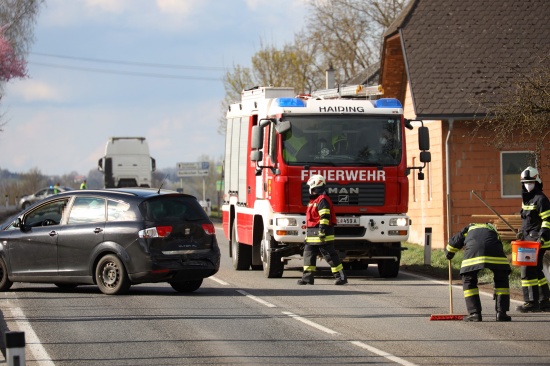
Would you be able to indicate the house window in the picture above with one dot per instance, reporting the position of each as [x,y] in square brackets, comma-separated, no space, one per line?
[512,163]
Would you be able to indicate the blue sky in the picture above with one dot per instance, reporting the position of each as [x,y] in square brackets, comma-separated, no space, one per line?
[60,117]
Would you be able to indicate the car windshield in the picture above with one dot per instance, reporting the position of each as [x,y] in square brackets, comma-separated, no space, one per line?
[172,208]
[343,140]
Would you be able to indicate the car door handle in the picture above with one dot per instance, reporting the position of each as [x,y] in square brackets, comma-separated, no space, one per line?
[53,233]
[98,230]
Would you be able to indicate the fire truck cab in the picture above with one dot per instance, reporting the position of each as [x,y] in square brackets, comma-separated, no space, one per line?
[275,141]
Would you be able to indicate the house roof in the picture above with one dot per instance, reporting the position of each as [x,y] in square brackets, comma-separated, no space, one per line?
[456,51]
[369,76]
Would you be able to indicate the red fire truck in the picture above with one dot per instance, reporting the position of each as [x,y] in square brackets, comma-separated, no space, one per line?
[276,140]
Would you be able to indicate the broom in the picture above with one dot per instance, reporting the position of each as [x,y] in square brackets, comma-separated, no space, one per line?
[450,316]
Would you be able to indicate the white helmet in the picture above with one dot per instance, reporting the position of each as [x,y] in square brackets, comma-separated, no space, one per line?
[315,181]
[530,174]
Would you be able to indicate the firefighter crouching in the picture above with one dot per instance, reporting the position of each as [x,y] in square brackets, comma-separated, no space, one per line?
[320,221]
[482,249]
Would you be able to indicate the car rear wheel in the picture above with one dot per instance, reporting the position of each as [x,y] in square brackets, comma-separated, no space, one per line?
[5,282]
[111,276]
[186,286]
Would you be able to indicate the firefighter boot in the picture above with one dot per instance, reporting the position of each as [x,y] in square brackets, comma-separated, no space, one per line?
[473,317]
[502,305]
[544,305]
[341,278]
[503,317]
[528,307]
[307,279]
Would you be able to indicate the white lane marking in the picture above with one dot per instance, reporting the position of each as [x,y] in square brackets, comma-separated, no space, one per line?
[257,299]
[369,348]
[32,342]
[215,279]
[310,323]
[383,354]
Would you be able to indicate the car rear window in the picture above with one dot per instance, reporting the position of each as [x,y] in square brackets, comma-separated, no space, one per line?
[172,208]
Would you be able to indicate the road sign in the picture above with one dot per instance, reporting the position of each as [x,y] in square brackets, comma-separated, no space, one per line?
[193,169]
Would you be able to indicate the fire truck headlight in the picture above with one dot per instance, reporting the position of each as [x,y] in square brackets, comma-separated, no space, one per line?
[285,222]
[402,221]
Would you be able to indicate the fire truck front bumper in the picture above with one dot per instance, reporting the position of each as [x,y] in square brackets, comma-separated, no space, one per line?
[373,228]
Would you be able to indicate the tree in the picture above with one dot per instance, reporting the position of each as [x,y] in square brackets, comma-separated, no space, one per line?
[521,117]
[17,18]
[346,34]
[10,65]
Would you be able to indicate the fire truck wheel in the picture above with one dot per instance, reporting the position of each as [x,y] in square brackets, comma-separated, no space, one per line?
[240,253]
[388,268]
[273,267]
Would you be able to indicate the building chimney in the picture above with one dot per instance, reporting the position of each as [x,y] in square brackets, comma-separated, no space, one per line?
[330,77]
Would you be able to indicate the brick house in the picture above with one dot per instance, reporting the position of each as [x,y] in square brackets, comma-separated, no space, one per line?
[437,57]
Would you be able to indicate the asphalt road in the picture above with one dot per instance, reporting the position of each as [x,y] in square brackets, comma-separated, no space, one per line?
[243,318]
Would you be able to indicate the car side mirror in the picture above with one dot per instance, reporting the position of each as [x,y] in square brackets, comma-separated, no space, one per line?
[21,225]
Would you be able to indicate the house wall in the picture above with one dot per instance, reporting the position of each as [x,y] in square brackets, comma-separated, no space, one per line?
[474,166]
[426,197]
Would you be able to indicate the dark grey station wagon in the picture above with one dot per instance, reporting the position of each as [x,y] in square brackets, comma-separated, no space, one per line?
[112,238]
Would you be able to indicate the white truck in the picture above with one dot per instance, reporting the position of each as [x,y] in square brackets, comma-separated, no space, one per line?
[127,163]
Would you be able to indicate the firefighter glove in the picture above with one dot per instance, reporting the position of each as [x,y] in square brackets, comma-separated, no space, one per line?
[519,235]
[322,234]
[449,255]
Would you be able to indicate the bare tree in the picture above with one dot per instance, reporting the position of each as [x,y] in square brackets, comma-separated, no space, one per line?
[349,32]
[344,33]
[522,116]
[17,18]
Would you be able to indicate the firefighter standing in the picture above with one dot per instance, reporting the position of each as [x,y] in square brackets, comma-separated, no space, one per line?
[320,221]
[482,249]
[535,226]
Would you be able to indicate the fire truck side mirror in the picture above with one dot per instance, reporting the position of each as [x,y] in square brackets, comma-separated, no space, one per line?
[257,137]
[256,155]
[282,127]
[425,157]
[423,138]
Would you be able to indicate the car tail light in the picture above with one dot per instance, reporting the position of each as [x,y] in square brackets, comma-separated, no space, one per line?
[155,232]
[209,229]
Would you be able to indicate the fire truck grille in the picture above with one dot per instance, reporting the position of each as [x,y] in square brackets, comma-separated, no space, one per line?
[360,194]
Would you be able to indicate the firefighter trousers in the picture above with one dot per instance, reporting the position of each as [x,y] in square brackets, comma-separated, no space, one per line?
[533,281]
[501,291]
[329,254]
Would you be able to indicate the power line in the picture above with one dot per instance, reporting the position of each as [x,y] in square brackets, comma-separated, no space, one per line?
[165,76]
[143,64]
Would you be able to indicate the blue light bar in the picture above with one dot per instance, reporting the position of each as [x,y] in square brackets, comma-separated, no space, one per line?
[290,102]
[387,103]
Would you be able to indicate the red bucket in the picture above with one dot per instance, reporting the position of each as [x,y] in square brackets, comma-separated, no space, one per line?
[525,253]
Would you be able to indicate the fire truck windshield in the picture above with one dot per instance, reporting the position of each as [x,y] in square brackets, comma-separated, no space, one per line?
[343,140]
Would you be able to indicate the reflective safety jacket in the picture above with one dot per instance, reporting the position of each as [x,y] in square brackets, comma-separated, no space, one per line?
[482,248]
[320,217]
[292,146]
[535,216]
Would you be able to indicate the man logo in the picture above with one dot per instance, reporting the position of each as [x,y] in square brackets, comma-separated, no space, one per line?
[343,200]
